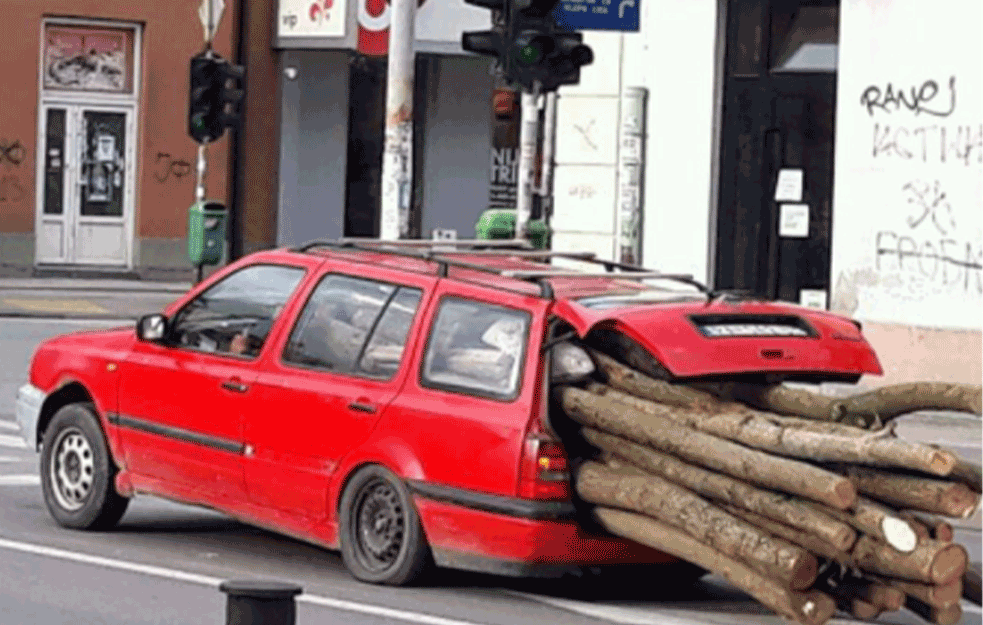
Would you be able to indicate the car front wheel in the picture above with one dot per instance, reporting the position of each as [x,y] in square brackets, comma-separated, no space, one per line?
[382,540]
[77,472]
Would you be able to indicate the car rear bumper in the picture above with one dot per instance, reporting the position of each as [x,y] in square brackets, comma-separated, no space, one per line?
[28,410]
[506,544]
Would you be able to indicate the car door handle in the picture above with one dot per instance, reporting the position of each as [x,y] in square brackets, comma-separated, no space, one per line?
[235,386]
[362,407]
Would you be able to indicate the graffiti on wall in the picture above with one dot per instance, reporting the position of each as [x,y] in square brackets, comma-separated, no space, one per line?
[931,250]
[935,246]
[167,167]
[12,154]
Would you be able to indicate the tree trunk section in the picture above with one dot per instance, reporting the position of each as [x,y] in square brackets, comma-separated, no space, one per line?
[750,465]
[878,521]
[799,514]
[654,496]
[925,494]
[812,608]
[931,562]
[780,399]
[807,541]
[772,433]
[890,401]
[636,383]
[937,596]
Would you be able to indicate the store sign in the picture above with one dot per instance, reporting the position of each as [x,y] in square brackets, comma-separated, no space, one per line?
[312,18]
[438,27]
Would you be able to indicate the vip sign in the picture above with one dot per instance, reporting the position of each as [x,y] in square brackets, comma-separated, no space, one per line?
[312,18]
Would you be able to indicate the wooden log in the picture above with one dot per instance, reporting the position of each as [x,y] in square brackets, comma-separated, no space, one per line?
[636,383]
[937,529]
[931,562]
[750,465]
[614,486]
[809,608]
[876,520]
[922,530]
[885,596]
[858,608]
[969,473]
[807,541]
[926,494]
[771,433]
[897,399]
[796,513]
[935,595]
[781,399]
[949,615]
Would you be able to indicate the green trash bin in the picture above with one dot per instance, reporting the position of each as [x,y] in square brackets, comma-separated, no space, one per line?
[499,223]
[206,233]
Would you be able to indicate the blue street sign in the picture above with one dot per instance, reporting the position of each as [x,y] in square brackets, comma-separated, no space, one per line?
[598,14]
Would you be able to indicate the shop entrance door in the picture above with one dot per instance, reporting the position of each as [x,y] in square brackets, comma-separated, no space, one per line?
[85,184]
[773,239]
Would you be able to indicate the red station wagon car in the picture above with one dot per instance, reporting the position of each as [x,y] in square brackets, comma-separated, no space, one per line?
[391,400]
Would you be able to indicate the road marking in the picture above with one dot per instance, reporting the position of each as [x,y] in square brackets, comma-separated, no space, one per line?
[12,441]
[54,305]
[20,480]
[611,613]
[9,425]
[206,580]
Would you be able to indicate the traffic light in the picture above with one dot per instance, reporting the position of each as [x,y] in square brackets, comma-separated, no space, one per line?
[215,96]
[538,51]
[568,56]
[487,42]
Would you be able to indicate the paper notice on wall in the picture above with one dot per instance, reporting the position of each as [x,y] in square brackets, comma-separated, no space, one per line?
[794,221]
[789,187]
[813,298]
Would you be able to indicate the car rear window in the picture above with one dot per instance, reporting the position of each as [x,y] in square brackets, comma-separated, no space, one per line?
[476,348]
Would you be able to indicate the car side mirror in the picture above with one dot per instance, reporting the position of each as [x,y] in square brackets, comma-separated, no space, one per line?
[152,328]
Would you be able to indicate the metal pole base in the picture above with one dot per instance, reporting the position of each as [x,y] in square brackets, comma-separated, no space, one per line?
[260,602]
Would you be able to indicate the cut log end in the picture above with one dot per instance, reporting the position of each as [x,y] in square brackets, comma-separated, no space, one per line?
[846,494]
[949,564]
[949,615]
[899,534]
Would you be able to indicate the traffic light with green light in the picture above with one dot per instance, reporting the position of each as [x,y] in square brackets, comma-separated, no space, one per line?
[540,52]
[215,96]
[487,42]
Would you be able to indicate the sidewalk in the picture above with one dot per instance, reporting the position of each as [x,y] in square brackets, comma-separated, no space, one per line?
[89,298]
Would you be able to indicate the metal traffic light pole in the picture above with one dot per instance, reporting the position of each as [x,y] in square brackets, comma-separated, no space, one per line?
[528,142]
[397,162]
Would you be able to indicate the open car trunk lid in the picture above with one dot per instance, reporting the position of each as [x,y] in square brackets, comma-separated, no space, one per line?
[723,338]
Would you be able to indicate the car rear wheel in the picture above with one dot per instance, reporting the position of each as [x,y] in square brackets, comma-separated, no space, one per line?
[77,472]
[382,540]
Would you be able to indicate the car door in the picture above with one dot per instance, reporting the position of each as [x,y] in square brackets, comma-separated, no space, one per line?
[338,369]
[181,403]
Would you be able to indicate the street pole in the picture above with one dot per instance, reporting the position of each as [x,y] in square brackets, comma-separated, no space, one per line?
[397,162]
[528,132]
[549,149]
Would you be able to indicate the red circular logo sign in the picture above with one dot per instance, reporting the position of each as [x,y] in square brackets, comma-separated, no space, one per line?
[373,26]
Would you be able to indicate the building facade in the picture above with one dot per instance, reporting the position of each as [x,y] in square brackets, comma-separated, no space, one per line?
[97,170]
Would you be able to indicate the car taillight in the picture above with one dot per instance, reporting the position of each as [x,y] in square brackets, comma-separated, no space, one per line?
[545,472]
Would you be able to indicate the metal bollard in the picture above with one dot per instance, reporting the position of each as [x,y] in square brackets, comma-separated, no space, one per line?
[257,602]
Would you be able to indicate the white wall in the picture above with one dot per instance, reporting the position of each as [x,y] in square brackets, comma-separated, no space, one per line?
[674,57]
[908,185]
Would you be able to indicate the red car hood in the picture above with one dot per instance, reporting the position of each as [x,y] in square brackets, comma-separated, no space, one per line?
[695,339]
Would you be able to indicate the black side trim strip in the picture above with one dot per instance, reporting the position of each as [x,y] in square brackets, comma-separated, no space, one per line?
[496,504]
[177,433]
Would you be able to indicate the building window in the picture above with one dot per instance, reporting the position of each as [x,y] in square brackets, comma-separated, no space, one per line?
[83,58]
[805,40]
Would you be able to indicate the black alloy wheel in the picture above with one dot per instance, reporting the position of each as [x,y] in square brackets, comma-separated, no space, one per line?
[382,540]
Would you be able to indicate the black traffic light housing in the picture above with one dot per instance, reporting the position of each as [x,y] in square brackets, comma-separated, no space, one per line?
[528,44]
[215,96]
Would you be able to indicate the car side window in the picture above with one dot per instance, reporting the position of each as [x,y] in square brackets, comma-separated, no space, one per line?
[234,316]
[353,325]
[476,348]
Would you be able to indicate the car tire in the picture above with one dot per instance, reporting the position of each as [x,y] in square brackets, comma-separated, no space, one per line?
[77,472]
[382,540]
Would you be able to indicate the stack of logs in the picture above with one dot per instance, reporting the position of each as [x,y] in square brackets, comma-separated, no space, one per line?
[807,516]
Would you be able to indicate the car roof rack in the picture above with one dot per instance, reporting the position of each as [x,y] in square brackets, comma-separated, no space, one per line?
[437,251]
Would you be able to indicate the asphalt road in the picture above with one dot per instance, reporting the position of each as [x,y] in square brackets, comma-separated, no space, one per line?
[164,562]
